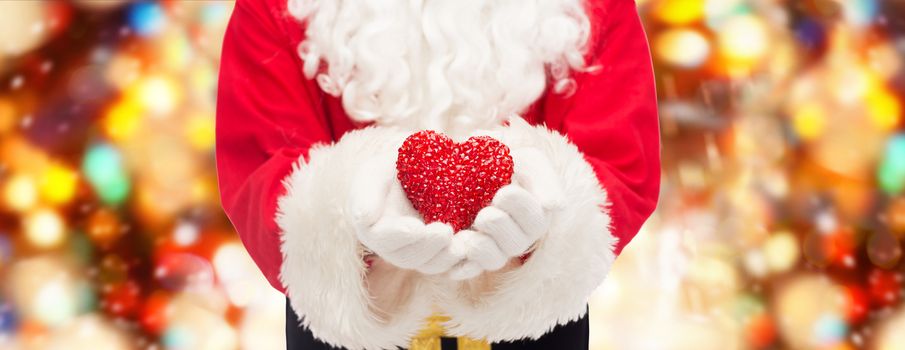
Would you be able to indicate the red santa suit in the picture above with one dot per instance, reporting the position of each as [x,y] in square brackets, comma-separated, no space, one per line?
[285,149]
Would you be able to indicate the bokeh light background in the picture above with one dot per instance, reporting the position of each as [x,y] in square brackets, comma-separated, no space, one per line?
[780,225]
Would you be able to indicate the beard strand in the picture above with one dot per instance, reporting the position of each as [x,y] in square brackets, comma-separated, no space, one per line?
[446,65]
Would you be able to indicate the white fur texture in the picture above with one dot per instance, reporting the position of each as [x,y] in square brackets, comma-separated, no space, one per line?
[322,270]
[329,287]
[568,263]
[448,65]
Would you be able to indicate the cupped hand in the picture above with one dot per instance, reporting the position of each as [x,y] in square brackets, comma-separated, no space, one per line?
[386,223]
[516,220]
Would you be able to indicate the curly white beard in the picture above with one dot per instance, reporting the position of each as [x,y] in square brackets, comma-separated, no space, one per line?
[448,65]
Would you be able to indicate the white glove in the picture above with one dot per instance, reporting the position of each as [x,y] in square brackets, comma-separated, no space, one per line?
[516,219]
[388,225]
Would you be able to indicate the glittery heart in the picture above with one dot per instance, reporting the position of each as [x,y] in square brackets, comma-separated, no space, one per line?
[448,181]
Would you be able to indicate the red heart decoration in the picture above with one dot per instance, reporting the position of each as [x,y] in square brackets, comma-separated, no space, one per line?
[450,182]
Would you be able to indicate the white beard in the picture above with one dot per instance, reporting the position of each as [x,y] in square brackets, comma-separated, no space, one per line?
[447,65]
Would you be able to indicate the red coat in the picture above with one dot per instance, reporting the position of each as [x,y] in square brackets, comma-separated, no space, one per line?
[269,115]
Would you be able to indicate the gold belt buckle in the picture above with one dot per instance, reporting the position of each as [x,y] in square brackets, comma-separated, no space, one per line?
[429,337]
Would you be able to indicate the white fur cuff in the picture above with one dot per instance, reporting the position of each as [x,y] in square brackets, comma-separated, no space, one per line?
[325,278]
[568,263]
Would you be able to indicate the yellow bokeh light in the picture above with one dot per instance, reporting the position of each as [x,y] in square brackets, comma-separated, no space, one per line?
[123,119]
[44,228]
[809,121]
[781,251]
[743,42]
[202,190]
[682,47]
[883,108]
[200,131]
[159,95]
[679,12]
[20,193]
[801,303]
[58,184]
[890,335]
[176,50]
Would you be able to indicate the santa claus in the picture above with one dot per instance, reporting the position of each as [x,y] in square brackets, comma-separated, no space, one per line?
[315,98]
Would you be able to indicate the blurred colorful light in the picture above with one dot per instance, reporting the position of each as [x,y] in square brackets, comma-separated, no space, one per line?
[182,271]
[685,48]
[895,215]
[123,120]
[44,228]
[20,193]
[22,26]
[885,287]
[238,274]
[884,249]
[808,308]
[679,12]
[761,331]
[103,226]
[100,5]
[8,318]
[718,11]
[176,51]
[830,330]
[883,108]
[103,168]
[147,18]
[90,332]
[47,291]
[58,184]
[743,40]
[809,121]
[159,95]
[781,251]
[154,312]
[857,304]
[6,249]
[860,12]
[891,174]
[55,303]
[7,115]
[185,234]
[195,324]
[122,299]
[200,131]
[890,335]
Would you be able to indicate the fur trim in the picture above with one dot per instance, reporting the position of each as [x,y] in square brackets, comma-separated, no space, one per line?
[567,265]
[326,280]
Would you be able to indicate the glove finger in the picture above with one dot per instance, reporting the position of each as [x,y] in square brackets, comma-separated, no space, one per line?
[506,234]
[391,233]
[465,270]
[534,173]
[431,239]
[368,191]
[524,209]
[481,249]
[442,262]
[397,203]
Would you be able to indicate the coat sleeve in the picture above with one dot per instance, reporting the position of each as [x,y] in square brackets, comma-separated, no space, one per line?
[268,116]
[612,119]
[602,141]
[284,186]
